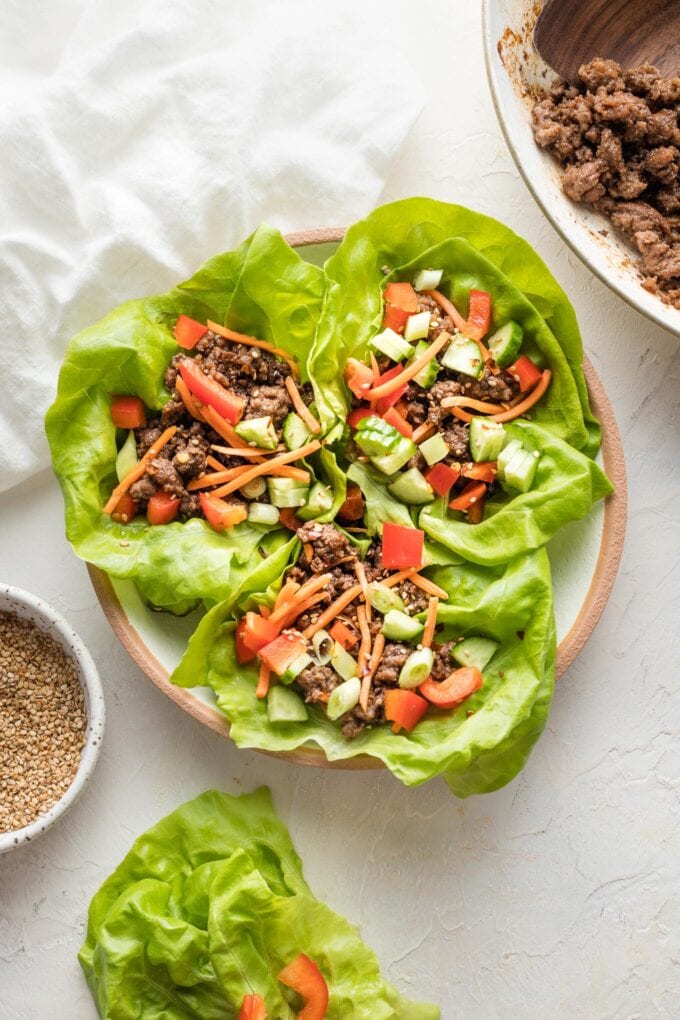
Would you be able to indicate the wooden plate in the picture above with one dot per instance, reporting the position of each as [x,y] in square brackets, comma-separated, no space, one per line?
[584,557]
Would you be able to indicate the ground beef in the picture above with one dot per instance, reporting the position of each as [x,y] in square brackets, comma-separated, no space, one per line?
[393,658]
[415,599]
[442,661]
[618,138]
[457,438]
[268,402]
[329,545]
[317,682]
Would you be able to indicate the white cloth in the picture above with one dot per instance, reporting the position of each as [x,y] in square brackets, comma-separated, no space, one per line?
[139,138]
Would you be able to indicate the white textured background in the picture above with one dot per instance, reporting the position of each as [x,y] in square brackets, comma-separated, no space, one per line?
[557,897]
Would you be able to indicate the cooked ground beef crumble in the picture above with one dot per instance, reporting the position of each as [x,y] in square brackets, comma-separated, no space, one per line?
[332,552]
[618,138]
[255,375]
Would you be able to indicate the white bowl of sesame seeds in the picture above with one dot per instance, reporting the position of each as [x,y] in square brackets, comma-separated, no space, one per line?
[51,717]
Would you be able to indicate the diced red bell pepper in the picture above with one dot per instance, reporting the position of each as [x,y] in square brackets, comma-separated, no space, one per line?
[257,631]
[128,412]
[205,389]
[442,478]
[401,546]
[384,403]
[188,332]
[289,519]
[358,376]
[458,686]
[253,1007]
[353,507]
[526,373]
[404,709]
[343,635]
[479,315]
[475,514]
[305,978]
[219,514]
[358,414]
[395,318]
[392,417]
[162,508]
[279,653]
[401,301]
[483,471]
[472,492]
[243,653]
[125,509]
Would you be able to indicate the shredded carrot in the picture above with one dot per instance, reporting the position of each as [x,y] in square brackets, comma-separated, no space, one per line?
[296,609]
[460,323]
[298,403]
[188,399]
[139,469]
[411,370]
[403,575]
[268,467]
[286,593]
[301,594]
[361,578]
[223,428]
[265,611]
[518,409]
[422,432]
[213,462]
[263,681]
[242,451]
[374,366]
[376,656]
[335,607]
[365,646]
[251,341]
[309,551]
[476,405]
[430,622]
[429,587]
[343,634]
[216,478]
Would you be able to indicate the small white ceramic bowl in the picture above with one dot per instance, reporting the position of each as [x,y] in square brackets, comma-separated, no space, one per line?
[28,607]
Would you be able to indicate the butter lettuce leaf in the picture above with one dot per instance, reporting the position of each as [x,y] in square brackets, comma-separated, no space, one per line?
[208,906]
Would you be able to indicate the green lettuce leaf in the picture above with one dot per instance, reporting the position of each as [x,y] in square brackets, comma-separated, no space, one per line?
[262,287]
[474,251]
[475,753]
[208,906]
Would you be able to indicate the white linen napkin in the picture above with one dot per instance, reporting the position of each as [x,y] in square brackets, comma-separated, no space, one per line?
[139,138]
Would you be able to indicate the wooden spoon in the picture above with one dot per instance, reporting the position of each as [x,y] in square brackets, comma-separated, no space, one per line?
[632,32]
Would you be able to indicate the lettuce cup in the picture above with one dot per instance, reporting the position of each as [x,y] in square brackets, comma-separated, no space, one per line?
[182,443]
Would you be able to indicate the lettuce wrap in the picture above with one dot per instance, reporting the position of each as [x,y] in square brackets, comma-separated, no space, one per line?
[477,747]
[207,907]
[263,287]
[475,251]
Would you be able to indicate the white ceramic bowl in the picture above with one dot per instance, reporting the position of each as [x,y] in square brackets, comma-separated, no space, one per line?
[28,607]
[513,67]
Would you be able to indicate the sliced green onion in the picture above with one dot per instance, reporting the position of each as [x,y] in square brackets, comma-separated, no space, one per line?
[383,598]
[343,663]
[428,279]
[296,667]
[127,457]
[263,513]
[254,489]
[344,698]
[416,669]
[322,646]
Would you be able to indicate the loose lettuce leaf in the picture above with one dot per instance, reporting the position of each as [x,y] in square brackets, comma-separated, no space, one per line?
[264,288]
[207,907]
[475,753]
[474,251]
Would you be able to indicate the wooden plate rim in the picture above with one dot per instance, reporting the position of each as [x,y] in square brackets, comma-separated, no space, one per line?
[613,532]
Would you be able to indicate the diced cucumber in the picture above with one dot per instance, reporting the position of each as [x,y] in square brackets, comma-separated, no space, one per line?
[322,647]
[463,355]
[259,431]
[428,375]
[344,698]
[284,705]
[412,487]
[296,667]
[254,489]
[343,663]
[506,455]
[417,326]
[398,626]
[127,457]
[286,492]
[521,470]
[320,500]
[416,669]
[505,343]
[384,445]
[295,433]
[383,598]
[427,279]
[263,513]
[434,449]
[487,439]
[391,344]
[474,651]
